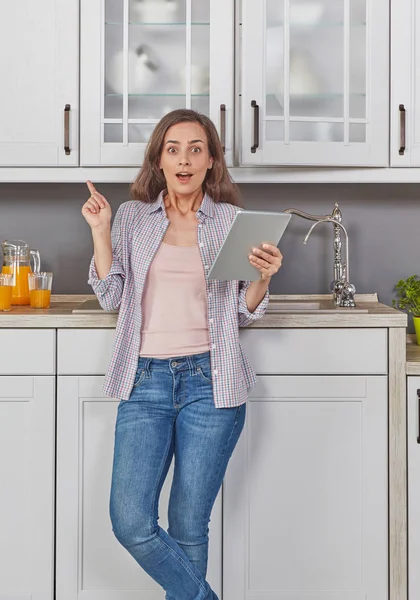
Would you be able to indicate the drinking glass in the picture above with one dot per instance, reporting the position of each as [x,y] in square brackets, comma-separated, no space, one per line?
[6,287]
[40,289]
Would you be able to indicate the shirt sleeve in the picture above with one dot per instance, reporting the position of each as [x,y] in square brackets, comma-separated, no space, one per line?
[109,290]
[244,316]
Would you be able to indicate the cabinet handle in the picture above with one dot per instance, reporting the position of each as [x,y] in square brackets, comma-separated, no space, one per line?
[67,129]
[418,398]
[223,126]
[402,129]
[256,126]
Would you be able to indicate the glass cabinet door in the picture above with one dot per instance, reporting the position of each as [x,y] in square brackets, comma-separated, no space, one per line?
[315,88]
[151,57]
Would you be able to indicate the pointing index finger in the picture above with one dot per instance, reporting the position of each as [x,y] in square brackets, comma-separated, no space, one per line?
[91,187]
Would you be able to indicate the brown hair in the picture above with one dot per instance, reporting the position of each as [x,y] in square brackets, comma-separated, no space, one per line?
[150,180]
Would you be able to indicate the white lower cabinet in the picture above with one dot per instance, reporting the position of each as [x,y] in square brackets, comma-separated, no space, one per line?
[305,500]
[305,496]
[91,563]
[27,460]
[413,477]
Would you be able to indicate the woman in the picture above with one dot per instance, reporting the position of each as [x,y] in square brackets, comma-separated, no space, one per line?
[177,364]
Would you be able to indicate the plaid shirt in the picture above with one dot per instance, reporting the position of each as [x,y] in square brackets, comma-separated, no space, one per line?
[137,232]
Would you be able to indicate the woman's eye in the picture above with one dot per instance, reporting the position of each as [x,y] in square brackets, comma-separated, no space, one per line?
[195,148]
[170,150]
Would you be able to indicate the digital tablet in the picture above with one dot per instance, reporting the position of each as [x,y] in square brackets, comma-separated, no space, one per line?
[249,229]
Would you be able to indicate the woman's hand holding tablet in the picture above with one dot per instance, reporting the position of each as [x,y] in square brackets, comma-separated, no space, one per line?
[251,229]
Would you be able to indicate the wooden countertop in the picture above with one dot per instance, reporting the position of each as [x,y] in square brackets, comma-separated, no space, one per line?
[413,355]
[60,314]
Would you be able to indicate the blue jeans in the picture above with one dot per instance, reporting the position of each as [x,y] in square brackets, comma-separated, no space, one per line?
[171,411]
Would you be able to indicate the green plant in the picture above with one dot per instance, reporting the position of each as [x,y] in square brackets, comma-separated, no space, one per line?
[408,291]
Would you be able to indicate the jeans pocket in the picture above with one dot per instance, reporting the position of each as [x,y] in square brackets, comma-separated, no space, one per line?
[140,375]
[205,373]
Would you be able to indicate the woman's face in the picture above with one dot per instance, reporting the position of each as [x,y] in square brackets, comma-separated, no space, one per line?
[185,158]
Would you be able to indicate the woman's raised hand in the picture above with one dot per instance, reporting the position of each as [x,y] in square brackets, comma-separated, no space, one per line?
[96,210]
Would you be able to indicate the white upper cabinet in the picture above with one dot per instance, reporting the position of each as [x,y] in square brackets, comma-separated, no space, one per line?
[314,82]
[140,59]
[405,84]
[39,83]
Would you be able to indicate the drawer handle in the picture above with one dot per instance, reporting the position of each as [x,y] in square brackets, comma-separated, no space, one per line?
[67,129]
[256,126]
[223,126]
[402,128]
[418,398]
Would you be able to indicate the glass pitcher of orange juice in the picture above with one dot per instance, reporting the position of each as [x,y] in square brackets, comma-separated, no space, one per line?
[17,260]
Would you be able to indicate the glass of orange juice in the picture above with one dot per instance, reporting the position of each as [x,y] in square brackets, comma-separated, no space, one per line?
[40,289]
[6,287]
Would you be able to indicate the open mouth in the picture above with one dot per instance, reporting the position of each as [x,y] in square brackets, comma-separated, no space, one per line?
[184,177]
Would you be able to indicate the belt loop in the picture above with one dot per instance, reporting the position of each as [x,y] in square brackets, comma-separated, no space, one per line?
[147,365]
[191,364]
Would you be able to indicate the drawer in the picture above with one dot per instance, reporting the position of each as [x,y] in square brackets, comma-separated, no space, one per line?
[84,351]
[317,351]
[27,351]
[312,388]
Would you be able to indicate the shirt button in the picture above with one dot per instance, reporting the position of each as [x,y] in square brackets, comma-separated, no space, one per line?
[213,346]
[200,225]
[215,372]
[211,320]
[201,244]
[206,267]
[209,294]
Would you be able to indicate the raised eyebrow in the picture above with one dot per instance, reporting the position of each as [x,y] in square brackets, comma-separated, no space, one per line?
[191,142]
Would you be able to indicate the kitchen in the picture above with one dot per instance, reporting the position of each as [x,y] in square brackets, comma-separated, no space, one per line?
[47,354]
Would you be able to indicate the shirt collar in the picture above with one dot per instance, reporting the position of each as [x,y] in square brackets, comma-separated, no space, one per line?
[206,206]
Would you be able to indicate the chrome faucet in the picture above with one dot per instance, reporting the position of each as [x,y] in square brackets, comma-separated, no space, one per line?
[343,291]
[338,265]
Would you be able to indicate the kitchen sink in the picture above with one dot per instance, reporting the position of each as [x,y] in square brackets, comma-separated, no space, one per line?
[287,305]
[91,306]
[306,306]
[274,306]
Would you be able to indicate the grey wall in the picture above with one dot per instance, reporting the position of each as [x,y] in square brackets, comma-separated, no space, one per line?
[383,222]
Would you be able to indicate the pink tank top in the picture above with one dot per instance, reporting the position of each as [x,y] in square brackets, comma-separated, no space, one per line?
[174,304]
